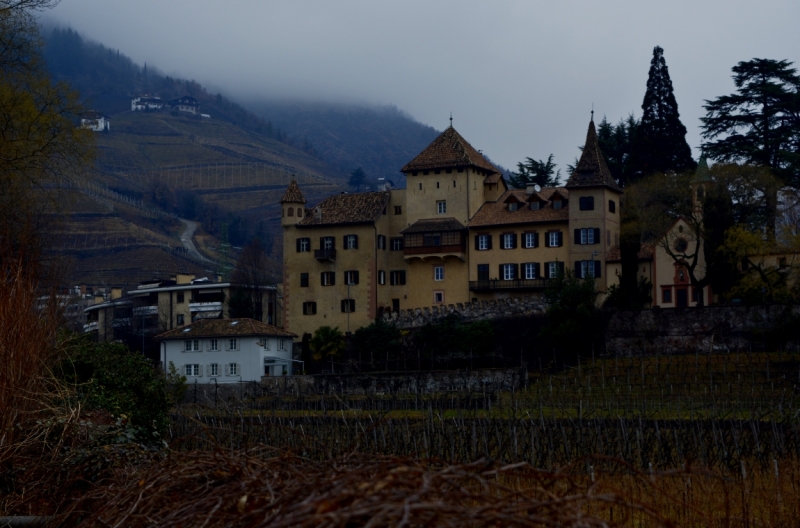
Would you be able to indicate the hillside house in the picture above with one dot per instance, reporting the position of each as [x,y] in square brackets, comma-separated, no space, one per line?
[146,102]
[96,122]
[227,350]
[186,104]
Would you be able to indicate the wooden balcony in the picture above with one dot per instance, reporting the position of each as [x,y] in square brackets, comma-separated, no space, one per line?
[325,254]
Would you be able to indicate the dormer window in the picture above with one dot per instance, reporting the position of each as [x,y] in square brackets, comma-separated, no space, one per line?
[512,206]
[535,206]
[556,204]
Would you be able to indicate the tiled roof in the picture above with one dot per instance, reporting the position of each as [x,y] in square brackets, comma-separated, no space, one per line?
[356,208]
[493,178]
[447,151]
[592,170]
[497,213]
[223,328]
[293,194]
[645,253]
[428,225]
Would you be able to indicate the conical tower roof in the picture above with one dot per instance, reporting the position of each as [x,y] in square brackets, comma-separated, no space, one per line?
[449,150]
[592,170]
[293,194]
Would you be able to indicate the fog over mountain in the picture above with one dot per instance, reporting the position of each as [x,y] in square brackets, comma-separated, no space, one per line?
[519,77]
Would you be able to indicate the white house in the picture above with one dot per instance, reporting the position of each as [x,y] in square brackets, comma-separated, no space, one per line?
[185,104]
[146,102]
[96,121]
[227,350]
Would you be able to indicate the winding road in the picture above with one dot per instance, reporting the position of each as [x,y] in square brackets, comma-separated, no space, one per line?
[188,243]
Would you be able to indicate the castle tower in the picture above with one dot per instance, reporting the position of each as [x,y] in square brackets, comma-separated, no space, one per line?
[594,212]
[292,205]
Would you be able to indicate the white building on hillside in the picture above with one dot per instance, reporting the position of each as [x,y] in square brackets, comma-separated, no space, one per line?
[145,102]
[96,121]
[227,350]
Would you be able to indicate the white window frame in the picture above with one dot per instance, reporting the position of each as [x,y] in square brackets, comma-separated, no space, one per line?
[552,270]
[441,207]
[483,242]
[232,369]
[381,277]
[233,343]
[438,273]
[191,345]
[397,244]
[213,369]
[438,297]
[350,242]
[192,370]
[508,240]
[508,272]
[530,270]
[381,242]
[213,345]
[553,238]
[305,245]
[327,242]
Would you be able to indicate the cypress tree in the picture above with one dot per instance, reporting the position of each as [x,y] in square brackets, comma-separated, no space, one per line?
[659,144]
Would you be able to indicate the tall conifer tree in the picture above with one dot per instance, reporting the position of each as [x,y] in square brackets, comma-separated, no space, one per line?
[660,143]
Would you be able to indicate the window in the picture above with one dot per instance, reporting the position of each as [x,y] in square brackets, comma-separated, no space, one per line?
[589,235]
[555,239]
[351,242]
[192,370]
[179,319]
[348,305]
[438,273]
[309,308]
[586,203]
[398,209]
[397,244]
[535,206]
[531,240]
[483,272]
[232,369]
[586,269]
[303,245]
[438,297]
[509,240]
[191,345]
[666,295]
[299,212]
[327,243]
[381,242]
[531,270]
[291,211]
[351,277]
[508,271]
[556,204]
[512,206]
[179,298]
[213,345]
[328,278]
[441,207]
[483,242]
[554,269]
[437,183]
[265,341]
[233,344]
[213,369]
[381,277]
[612,206]
[304,280]
[397,278]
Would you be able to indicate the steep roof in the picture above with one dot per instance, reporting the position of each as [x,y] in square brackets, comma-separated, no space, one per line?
[293,194]
[428,225]
[447,151]
[356,208]
[497,213]
[702,174]
[592,170]
[224,328]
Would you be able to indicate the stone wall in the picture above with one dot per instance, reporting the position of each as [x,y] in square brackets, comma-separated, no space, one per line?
[709,329]
[474,311]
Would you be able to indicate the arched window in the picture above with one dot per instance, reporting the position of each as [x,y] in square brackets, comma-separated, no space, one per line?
[291,211]
[299,212]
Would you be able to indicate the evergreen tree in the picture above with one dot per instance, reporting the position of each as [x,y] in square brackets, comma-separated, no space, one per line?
[616,142]
[357,179]
[542,173]
[659,144]
[760,123]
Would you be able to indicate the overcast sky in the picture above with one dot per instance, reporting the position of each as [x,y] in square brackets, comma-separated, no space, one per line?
[519,76]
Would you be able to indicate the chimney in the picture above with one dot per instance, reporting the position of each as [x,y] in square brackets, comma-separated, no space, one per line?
[318,214]
[116,293]
[83,290]
[98,299]
[530,188]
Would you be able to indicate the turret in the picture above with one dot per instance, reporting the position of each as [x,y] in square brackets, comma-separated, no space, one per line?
[292,205]
[702,177]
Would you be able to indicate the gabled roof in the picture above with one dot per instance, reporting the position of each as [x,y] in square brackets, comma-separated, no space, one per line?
[497,213]
[429,225]
[449,150]
[225,328]
[293,194]
[356,208]
[592,170]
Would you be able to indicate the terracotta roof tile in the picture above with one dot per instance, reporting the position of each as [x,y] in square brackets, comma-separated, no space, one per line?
[497,213]
[592,170]
[225,327]
[446,151]
[493,178]
[293,194]
[614,254]
[427,225]
[356,208]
